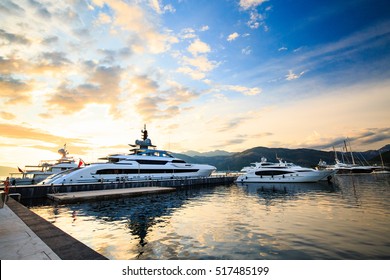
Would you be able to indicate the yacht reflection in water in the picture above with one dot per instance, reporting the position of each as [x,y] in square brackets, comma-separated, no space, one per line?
[274,190]
[139,214]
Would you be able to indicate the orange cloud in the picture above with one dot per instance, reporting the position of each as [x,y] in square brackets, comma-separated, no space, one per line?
[14,91]
[101,87]
[22,132]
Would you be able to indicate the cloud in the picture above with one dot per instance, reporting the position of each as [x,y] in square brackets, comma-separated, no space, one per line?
[154,103]
[233,123]
[204,28]
[236,140]
[282,49]
[291,76]
[187,33]
[197,47]
[21,132]
[178,94]
[256,20]
[11,8]
[233,36]
[249,4]
[14,90]
[7,116]
[143,33]
[364,137]
[144,85]
[101,87]
[152,108]
[160,8]
[196,67]
[244,90]
[371,136]
[200,62]
[193,73]
[246,51]
[11,38]
[50,40]
[104,19]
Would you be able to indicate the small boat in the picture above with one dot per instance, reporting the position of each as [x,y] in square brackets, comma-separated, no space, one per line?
[33,174]
[282,172]
[144,163]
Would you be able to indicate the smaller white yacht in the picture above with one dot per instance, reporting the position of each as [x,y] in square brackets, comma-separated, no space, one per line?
[33,174]
[282,172]
[144,163]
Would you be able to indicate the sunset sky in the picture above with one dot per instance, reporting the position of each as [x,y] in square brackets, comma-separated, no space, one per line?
[202,75]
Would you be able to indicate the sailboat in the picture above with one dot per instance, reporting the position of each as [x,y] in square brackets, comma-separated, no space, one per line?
[349,168]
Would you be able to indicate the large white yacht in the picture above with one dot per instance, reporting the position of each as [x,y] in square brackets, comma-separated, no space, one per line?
[282,172]
[145,162]
[33,174]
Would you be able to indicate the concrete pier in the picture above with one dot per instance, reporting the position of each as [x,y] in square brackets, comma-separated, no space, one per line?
[26,236]
[74,197]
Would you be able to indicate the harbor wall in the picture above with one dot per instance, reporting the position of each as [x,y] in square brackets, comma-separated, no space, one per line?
[41,191]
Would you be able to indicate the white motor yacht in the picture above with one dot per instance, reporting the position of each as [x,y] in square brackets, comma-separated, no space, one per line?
[33,174]
[282,172]
[145,162]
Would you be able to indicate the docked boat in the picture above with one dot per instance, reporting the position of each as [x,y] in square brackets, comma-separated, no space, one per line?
[282,172]
[348,168]
[351,167]
[143,163]
[33,174]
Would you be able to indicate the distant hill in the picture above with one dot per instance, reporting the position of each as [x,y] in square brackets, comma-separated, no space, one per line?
[303,157]
[385,157]
[208,154]
[226,161]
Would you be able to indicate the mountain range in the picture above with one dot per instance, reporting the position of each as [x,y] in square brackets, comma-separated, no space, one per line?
[226,161]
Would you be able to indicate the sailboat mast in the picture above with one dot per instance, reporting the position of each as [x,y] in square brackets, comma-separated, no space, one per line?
[383,165]
[350,150]
[335,155]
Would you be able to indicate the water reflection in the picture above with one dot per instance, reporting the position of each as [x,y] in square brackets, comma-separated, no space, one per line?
[348,219]
[137,214]
[289,189]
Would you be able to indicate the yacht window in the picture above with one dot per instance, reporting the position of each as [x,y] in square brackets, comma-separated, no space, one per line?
[148,161]
[178,161]
[272,172]
[143,171]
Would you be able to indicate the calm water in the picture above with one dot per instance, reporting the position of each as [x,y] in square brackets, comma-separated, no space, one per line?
[349,219]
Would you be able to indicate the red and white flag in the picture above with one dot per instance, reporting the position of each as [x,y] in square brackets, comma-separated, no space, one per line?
[81,162]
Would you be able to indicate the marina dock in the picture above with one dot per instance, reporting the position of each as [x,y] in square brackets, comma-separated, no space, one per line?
[26,236]
[106,194]
[42,191]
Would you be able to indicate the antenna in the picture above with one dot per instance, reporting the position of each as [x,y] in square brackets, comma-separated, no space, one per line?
[144,133]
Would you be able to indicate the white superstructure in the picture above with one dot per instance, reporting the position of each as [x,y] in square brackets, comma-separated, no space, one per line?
[33,174]
[282,172]
[145,162]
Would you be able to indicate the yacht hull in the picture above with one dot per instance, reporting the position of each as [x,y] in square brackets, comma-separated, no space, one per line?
[301,177]
[118,173]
